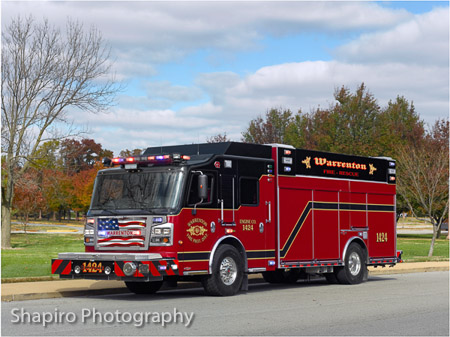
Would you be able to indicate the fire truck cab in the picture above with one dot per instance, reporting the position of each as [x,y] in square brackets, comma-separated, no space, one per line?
[217,212]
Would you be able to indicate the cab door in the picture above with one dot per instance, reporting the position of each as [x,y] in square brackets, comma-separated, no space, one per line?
[198,224]
[227,200]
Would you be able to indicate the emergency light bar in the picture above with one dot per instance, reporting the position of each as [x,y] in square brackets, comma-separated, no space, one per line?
[166,159]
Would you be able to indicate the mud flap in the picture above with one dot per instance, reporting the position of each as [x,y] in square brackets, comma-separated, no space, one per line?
[244,286]
[366,275]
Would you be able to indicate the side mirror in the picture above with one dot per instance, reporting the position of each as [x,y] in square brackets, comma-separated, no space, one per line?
[203,186]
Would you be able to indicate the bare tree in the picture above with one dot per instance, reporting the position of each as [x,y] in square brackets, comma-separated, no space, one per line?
[219,138]
[130,153]
[44,73]
[424,178]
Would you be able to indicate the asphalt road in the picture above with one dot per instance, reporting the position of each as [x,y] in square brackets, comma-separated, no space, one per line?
[401,304]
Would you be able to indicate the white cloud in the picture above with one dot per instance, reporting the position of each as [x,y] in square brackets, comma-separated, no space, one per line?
[215,84]
[423,39]
[399,61]
[149,119]
[129,128]
[164,89]
[399,54]
[309,84]
[304,85]
[126,67]
[144,34]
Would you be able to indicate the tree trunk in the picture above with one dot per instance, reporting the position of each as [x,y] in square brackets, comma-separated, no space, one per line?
[7,197]
[6,226]
[433,240]
[26,219]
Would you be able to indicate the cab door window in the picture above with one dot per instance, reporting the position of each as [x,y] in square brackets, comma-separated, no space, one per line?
[248,191]
[227,191]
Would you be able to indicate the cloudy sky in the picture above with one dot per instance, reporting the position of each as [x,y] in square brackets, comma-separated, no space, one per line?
[196,69]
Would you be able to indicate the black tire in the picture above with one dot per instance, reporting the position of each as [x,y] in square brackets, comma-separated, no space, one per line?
[144,287]
[331,278]
[281,276]
[355,268]
[227,272]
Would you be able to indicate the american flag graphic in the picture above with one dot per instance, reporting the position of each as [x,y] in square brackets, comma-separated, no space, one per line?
[121,232]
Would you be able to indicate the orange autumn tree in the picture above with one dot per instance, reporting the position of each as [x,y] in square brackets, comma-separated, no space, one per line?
[28,196]
[68,169]
[83,184]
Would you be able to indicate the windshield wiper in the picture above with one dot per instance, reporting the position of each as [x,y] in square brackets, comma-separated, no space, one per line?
[99,211]
[162,210]
[104,211]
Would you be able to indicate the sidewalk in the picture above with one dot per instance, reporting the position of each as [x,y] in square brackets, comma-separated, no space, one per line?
[22,291]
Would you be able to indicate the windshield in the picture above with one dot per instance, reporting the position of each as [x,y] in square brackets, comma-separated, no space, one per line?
[157,191]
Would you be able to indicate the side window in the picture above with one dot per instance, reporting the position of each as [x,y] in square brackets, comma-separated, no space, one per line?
[226,190]
[249,191]
[193,191]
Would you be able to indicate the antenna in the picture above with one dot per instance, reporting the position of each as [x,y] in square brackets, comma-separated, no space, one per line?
[198,143]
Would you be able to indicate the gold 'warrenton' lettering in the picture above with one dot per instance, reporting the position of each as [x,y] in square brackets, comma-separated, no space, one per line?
[332,163]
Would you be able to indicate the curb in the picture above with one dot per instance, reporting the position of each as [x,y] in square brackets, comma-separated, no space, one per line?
[30,279]
[253,279]
[59,294]
[390,271]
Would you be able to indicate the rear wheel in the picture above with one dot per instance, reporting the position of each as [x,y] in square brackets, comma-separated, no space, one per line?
[227,272]
[144,287]
[355,268]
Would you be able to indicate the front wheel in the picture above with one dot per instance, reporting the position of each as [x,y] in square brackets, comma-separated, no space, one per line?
[144,287]
[227,272]
[354,270]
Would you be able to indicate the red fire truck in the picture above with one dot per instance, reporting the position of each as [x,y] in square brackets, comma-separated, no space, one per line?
[218,212]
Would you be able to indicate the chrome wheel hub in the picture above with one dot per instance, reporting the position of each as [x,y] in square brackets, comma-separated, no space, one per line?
[228,271]
[354,264]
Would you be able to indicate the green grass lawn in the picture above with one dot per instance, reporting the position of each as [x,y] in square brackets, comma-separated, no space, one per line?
[415,247]
[32,253]
[32,228]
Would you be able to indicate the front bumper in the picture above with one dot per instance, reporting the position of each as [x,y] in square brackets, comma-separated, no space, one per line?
[110,266]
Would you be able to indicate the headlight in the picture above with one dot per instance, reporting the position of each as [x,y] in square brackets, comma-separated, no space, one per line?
[89,232]
[162,235]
